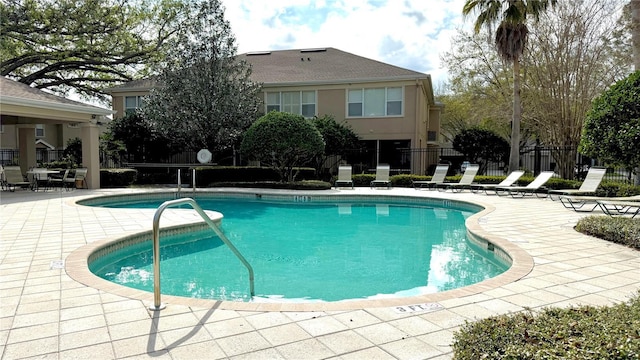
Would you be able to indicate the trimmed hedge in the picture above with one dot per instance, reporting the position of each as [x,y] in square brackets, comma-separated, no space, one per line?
[296,185]
[575,333]
[208,176]
[620,230]
[115,178]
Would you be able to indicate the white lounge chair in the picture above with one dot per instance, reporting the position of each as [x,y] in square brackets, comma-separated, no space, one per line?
[344,176]
[618,207]
[590,203]
[589,185]
[467,178]
[508,181]
[438,178]
[532,188]
[382,177]
[13,178]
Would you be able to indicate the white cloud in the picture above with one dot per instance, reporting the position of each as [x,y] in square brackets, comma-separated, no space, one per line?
[406,33]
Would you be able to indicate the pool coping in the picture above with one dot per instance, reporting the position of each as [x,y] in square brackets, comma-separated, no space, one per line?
[76,265]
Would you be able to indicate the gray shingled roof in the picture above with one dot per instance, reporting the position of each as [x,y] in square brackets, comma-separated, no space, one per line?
[326,65]
[11,88]
[307,66]
[136,85]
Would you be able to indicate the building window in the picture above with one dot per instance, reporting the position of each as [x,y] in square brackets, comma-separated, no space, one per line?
[273,101]
[432,136]
[132,103]
[295,102]
[374,102]
[39,130]
[308,107]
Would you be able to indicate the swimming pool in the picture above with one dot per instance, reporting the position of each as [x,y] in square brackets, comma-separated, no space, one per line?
[306,248]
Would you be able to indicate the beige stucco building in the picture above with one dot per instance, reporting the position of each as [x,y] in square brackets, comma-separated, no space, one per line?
[391,109]
[32,118]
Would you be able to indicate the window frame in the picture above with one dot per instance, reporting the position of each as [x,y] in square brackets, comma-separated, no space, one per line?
[300,104]
[41,128]
[132,110]
[363,100]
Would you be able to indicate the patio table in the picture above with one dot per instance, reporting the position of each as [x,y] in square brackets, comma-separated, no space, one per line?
[36,176]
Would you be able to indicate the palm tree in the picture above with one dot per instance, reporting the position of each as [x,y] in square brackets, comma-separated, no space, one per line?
[510,40]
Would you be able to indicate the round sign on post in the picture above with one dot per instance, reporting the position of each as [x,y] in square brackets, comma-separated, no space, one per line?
[204,156]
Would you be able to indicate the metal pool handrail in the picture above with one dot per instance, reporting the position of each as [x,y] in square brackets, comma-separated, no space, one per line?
[157,305]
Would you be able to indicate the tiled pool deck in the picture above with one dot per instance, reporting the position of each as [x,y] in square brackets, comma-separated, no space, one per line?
[47,314]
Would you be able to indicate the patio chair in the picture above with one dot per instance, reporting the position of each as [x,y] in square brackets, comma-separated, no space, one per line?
[79,177]
[508,181]
[13,178]
[438,177]
[590,203]
[530,189]
[467,178]
[589,185]
[60,182]
[382,176]
[344,176]
[2,177]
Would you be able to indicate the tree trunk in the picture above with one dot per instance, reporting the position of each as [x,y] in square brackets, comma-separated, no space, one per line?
[635,32]
[514,155]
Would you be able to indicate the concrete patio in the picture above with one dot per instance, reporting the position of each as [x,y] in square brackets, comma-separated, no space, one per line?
[46,314]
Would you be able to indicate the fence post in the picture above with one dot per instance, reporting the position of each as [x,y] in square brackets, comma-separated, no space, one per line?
[537,162]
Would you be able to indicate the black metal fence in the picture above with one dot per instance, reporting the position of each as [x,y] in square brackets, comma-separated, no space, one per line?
[12,156]
[565,161]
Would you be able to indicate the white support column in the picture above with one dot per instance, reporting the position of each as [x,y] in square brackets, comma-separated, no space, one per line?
[27,146]
[91,153]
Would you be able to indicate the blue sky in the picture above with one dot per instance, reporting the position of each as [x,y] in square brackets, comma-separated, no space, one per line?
[407,33]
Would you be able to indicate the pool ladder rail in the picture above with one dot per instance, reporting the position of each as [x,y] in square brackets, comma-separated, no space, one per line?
[157,303]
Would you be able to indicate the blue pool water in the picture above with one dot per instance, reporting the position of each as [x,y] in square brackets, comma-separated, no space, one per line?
[324,251]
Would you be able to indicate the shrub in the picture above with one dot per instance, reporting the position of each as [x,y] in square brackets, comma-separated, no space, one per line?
[585,332]
[296,185]
[363,179]
[620,230]
[212,176]
[283,141]
[112,178]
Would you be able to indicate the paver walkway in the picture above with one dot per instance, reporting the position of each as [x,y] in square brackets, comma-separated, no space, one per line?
[45,314]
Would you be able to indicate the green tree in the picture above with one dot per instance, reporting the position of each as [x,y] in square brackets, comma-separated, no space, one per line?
[573,56]
[510,40]
[73,151]
[282,141]
[338,139]
[111,149]
[204,97]
[480,146]
[140,138]
[611,131]
[85,45]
